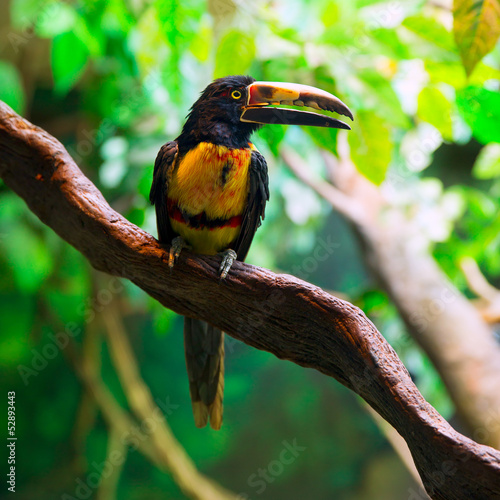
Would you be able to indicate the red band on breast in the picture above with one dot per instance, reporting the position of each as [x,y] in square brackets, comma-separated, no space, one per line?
[201,221]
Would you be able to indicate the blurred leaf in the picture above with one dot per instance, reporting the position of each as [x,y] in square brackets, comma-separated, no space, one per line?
[235,54]
[273,135]
[148,42]
[61,19]
[434,108]
[476,24]
[446,72]
[379,97]
[222,10]
[28,256]
[11,88]
[325,138]
[25,13]
[430,29]
[330,14]
[68,60]
[201,44]
[17,313]
[371,146]
[136,216]
[487,165]
[481,109]
[388,42]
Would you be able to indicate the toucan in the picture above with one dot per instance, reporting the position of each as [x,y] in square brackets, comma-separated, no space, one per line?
[210,188]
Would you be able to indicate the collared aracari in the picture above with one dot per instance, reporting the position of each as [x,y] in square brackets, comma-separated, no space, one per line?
[210,188]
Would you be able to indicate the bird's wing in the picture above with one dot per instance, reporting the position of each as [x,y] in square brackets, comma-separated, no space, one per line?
[255,210]
[164,165]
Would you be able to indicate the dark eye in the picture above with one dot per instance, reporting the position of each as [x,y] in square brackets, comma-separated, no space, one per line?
[235,94]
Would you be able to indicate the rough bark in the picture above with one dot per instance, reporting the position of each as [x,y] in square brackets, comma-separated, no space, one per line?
[283,315]
[447,326]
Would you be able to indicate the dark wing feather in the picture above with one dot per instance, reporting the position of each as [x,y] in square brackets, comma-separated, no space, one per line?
[158,195]
[255,210]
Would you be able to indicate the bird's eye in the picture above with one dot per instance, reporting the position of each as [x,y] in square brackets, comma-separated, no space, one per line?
[235,94]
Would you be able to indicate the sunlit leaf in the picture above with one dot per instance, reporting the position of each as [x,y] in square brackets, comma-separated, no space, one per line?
[60,19]
[201,44]
[387,42]
[235,54]
[431,30]
[481,109]
[434,108]
[379,96]
[330,14]
[371,146]
[487,165]
[148,41]
[11,88]
[477,28]
[68,59]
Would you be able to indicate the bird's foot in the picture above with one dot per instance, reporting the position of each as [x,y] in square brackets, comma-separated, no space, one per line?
[176,247]
[228,257]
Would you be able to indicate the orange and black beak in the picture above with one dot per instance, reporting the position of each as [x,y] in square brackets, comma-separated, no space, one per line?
[263,95]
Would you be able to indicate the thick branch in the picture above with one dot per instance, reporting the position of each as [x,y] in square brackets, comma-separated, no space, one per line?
[288,317]
[439,317]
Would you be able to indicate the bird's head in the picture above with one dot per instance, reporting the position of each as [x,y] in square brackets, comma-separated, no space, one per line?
[231,108]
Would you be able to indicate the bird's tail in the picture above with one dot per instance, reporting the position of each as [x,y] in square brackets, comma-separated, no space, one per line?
[204,347]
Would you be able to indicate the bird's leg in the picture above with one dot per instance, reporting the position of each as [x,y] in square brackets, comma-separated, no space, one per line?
[228,257]
[176,246]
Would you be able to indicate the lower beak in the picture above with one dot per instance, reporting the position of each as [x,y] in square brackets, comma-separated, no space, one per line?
[262,95]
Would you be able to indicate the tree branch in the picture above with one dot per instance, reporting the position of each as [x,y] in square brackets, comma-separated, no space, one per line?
[445,324]
[288,317]
[172,456]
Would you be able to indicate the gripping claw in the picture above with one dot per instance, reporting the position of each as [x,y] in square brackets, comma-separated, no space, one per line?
[175,250]
[228,257]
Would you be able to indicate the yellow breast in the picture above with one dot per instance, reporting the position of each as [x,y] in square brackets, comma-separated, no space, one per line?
[210,182]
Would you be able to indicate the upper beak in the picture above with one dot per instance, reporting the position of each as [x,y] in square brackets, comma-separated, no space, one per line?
[263,94]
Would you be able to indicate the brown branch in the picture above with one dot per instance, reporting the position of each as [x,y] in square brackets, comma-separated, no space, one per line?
[438,316]
[173,457]
[130,432]
[109,481]
[488,303]
[288,317]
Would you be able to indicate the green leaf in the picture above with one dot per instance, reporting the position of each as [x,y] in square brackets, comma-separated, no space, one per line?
[28,256]
[481,110]
[69,59]
[17,312]
[11,88]
[378,96]
[434,108]
[235,54]
[487,165]
[59,19]
[330,14]
[476,26]
[431,30]
[371,146]
[201,43]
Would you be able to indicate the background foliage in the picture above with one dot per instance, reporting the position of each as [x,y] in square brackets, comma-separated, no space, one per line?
[113,81]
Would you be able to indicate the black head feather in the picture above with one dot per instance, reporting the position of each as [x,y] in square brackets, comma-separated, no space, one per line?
[215,116]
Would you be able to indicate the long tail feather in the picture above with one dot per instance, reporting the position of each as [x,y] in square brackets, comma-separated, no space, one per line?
[204,348]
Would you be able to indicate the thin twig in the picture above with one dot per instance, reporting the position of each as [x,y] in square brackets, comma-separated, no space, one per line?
[172,455]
